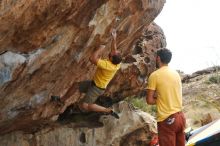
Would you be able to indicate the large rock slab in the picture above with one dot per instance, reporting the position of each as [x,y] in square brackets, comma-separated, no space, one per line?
[45,47]
[132,122]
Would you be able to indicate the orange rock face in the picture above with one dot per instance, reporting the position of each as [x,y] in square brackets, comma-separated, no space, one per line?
[45,47]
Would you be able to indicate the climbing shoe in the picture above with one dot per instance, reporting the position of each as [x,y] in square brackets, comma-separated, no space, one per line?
[114,114]
[55,98]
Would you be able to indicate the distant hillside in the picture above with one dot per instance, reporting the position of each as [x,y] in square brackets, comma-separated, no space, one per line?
[201,96]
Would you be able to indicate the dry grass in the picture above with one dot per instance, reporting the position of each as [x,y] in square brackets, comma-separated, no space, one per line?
[201,98]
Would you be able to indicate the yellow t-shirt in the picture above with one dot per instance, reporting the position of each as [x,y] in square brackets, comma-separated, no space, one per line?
[168,86]
[105,72]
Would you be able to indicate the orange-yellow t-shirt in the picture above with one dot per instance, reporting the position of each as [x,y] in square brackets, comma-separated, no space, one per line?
[105,72]
[167,84]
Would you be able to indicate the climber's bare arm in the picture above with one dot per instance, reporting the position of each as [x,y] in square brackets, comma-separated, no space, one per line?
[113,45]
[97,54]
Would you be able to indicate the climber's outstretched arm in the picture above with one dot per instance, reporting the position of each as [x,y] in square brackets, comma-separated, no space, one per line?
[113,45]
[96,55]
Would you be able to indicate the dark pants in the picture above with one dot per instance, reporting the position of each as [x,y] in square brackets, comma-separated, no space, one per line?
[171,130]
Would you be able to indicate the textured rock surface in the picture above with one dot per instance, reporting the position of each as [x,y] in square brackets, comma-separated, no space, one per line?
[111,134]
[44,51]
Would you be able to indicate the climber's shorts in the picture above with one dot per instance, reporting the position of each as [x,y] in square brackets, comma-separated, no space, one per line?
[171,130]
[91,90]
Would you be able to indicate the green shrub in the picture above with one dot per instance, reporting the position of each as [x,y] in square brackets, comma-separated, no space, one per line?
[141,104]
[214,79]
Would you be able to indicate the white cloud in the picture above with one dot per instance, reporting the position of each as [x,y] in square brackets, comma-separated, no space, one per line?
[192,29]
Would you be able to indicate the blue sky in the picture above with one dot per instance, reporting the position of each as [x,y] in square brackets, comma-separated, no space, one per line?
[192,30]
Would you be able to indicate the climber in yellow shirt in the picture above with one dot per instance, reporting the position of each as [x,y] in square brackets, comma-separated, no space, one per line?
[106,69]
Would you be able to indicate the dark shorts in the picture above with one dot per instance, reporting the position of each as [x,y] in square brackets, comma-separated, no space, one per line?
[171,130]
[91,90]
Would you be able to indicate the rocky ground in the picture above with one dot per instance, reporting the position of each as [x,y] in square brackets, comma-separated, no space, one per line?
[201,97]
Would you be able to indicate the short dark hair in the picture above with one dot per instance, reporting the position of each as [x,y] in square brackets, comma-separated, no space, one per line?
[116,59]
[165,55]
